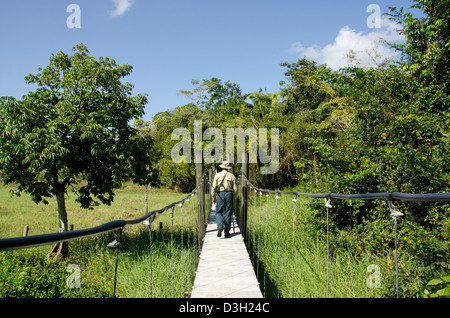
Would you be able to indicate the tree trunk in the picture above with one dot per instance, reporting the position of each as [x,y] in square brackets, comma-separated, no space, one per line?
[62,220]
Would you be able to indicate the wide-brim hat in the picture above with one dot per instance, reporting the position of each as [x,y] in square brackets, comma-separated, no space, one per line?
[225,165]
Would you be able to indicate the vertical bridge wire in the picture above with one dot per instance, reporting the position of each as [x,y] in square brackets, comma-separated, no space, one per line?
[182,267]
[279,246]
[116,244]
[254,231]
[148,225]
[246,227]
[293,242]
[395,214]
[115,270]
[151,259]
[192,219]
[265,244]
[396,256]
[171,244]
[259,234]
[328,206]
[189,237]
[195,238]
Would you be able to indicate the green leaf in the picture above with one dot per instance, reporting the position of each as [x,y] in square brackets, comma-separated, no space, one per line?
[446,279]
[444,292]
[435,282]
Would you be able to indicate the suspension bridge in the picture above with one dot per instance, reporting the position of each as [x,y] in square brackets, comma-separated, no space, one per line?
[225,267]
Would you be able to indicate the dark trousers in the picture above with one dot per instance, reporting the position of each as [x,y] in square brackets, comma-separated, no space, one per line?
[224,210]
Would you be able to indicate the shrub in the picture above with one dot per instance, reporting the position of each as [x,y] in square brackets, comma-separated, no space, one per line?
[438,288]
[28,274]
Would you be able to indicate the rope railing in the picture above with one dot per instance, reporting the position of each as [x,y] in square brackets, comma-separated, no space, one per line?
[115,226]
[328,196]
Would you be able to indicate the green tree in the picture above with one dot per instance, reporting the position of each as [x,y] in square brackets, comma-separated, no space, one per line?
[72,132]
[201,89]
[220,94]
[180,176]
[143,169]
[309,99]
[426,52]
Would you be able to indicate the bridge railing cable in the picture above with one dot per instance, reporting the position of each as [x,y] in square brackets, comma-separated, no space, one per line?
[390,197]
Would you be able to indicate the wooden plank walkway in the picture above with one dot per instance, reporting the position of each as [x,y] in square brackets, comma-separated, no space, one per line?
[224,270]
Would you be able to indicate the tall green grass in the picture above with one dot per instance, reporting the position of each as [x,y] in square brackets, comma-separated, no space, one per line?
[300,270]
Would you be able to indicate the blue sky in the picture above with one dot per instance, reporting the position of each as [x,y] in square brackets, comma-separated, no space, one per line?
[171,42]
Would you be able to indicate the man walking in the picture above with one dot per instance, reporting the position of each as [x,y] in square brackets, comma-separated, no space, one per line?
[223,187]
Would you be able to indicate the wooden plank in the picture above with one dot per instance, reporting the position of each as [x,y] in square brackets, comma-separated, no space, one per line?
[224,270]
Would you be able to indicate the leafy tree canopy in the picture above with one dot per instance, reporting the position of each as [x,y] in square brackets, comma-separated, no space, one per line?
[73,131]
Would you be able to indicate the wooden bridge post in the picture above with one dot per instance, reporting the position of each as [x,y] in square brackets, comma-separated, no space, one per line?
[201,202]
[244,195]
[25,230]
[208,189]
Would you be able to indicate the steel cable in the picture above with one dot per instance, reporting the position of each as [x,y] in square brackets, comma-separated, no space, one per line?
[293,242]
[182,267]
[265,242]
[171,246]
[151,259]
[279,246]
[259,234]
[328,206]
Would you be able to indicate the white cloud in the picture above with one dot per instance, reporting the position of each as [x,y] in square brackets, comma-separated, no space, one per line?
[121,6]
[367,48]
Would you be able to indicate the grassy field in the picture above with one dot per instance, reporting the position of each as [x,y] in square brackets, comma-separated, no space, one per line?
[129,203]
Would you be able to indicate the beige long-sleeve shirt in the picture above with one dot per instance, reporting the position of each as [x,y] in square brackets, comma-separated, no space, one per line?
[229,181]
